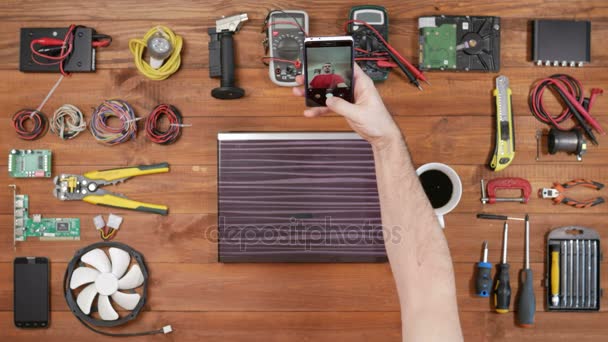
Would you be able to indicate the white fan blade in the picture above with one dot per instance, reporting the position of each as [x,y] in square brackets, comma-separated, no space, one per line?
[127,301]
[120,261]
[106,311]
[85,298]
[134,278]
[98,259]
[83,275]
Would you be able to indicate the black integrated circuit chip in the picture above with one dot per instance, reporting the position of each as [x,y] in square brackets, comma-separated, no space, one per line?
[63,226]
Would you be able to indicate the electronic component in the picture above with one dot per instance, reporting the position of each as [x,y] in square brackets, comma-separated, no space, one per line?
[370,53]
[29,163]
[36,226]
[64,50]
[459,43]
[561,42]
[114,221]
[102,271]
[31,292]
[221,56]
[284,44]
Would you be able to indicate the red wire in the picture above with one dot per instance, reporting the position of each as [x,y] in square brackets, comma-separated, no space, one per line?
[66,50]
[152,122]
[296,63]
[419,75]
[569,92]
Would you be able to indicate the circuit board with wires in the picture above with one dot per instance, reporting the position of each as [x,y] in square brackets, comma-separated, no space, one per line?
[29,163]
[42,228]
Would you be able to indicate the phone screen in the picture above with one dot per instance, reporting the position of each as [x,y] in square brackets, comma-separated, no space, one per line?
[328,69]
[31,292]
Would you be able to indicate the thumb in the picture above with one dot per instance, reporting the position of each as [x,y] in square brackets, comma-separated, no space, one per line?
[340,106]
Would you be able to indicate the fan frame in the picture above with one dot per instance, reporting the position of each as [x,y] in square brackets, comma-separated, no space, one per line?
[69,296]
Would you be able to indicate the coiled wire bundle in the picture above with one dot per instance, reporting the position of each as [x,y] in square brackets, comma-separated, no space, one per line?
[39,120]
[67,122]
[107,134]
[153,130]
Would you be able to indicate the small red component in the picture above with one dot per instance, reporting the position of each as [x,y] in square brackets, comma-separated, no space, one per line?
[39,173]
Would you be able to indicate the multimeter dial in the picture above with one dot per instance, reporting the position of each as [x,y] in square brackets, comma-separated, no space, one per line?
[288,46]
[286,32]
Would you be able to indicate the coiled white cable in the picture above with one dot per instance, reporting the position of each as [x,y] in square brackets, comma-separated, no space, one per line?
[67,122]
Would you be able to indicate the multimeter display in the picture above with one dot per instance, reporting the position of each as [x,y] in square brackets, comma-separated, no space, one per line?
[368,47]
[286,33]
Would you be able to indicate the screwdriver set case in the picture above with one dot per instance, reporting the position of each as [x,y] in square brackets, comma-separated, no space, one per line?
[574,256]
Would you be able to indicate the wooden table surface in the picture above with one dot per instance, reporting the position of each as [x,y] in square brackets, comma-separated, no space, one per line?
[450,122]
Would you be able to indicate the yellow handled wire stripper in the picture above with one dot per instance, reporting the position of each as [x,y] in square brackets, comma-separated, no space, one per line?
[88,187]
[504,152]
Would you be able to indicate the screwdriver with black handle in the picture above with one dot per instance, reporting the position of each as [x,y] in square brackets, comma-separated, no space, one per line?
[526,302]
[483,283]
[502,289]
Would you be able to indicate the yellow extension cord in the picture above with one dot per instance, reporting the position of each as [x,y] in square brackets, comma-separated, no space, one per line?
[170,65]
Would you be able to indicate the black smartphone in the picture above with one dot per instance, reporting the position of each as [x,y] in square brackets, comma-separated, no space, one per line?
[31,292]
[328,69]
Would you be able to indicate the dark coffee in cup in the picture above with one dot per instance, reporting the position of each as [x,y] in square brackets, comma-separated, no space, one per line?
[437,186]
[442,186]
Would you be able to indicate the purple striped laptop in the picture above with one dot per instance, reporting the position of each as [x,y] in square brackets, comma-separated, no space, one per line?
[297,197]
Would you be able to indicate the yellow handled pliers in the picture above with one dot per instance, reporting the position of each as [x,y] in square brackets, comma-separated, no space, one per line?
[88,187]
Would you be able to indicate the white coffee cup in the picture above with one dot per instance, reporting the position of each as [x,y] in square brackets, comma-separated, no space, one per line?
[456,188]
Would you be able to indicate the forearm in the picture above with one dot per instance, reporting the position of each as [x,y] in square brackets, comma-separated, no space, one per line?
[417,249]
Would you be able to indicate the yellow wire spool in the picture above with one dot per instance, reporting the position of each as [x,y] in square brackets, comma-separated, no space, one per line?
[170,65]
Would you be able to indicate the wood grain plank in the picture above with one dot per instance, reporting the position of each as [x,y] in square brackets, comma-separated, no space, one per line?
[461,94]
[318,326]
[461,140]
[280,287]
[155,10]
[192,238]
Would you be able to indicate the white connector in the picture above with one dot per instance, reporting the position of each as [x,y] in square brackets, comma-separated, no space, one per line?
[114,221]
[99,222]
[167,329]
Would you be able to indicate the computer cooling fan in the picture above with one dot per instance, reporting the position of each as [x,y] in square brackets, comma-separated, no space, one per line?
[116,283]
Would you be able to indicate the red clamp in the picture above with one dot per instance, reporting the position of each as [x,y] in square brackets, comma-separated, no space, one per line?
[505,183]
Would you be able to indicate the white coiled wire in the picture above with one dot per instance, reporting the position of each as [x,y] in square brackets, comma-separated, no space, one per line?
[67,122]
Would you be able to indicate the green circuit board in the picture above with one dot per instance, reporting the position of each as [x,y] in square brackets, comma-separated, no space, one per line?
[29,163]
[26,226]
[438,47]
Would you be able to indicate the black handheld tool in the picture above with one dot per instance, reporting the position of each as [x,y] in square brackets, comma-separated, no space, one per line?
[483,283]
[221,56]
[526,302]
[502,289]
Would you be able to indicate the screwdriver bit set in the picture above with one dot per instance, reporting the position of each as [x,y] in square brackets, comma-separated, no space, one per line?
[573,273]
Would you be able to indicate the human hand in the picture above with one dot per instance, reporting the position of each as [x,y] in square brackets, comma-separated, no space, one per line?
[367,116]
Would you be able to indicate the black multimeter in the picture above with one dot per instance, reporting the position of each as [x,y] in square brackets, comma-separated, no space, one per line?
[286,31]
[367,44]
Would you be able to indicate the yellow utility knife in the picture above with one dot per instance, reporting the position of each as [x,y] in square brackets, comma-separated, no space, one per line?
[504,151]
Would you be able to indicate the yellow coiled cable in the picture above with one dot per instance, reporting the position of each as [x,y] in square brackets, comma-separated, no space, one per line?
[171,64]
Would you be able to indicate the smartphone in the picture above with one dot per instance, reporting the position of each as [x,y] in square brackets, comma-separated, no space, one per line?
[31,292]
[328,69]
